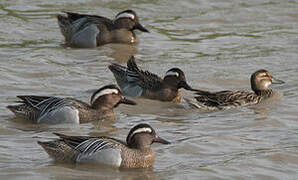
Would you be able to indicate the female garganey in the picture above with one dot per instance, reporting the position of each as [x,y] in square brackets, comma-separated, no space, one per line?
[260,81]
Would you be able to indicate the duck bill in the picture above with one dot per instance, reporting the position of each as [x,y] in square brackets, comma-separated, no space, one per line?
[184,85]
[158,139]
[127,101]
[141,28]
[277,81]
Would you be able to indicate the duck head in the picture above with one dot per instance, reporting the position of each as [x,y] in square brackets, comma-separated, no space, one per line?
[262,79]
[128,19]
[109,97]
[175,77]
[142,136]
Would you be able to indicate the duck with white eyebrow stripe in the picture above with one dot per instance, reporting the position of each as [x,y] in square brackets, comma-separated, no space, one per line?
[89,31]
[45,109]
[135,82]
[135,153]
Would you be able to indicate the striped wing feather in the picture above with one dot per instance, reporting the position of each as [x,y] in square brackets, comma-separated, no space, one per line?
[43,105]
[89,144]
[32,100]
[86,147]
[145,79]
[95,19]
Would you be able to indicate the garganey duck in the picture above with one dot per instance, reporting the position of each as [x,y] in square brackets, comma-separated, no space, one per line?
[46,109]
[87,31]
[135,153]
[135,82]
[260,81]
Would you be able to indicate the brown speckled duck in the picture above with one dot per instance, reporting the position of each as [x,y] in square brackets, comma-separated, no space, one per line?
[135,153]
[260,81]
[135,82]
[88,31]
[45,109]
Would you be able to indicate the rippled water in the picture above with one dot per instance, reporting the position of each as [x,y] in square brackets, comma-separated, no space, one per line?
[217,43]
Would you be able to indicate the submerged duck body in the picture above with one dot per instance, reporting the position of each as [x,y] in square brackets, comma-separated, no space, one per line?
[88,31]
[46,109]
[135,82]
[135,153]
[260,81]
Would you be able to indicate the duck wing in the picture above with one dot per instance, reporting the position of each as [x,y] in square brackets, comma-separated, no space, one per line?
[144,79]
[33,101]
[225,98]
[49,109]
[100,149]
[133,80]
[75,141]
[91,18]
[82,29]
[32,107]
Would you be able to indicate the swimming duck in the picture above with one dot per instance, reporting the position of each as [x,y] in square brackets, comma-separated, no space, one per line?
[46,109]
[135,153]
[88,31]
[260,81]
[135,82]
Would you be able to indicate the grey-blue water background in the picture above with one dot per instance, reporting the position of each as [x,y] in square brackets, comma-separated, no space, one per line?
[217,43]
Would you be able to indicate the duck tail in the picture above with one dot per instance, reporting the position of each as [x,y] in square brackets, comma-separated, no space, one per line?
[117,69]
[191,104]
[119,73]
[132,65]
[65,26]
[58,150]
[71,16]
[24,111]
[12,108]
[18,110]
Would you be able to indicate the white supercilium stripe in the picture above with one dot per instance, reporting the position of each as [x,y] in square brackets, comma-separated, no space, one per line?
[172,73]
[104,92]
[127,15]
[142,130]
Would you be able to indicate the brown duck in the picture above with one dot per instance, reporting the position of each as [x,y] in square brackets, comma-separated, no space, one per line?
[260,81]
[87,31]
[135,82]
[46,109]
[135,153]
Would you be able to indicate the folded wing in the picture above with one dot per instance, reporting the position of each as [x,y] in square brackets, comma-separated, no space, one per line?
[133,80]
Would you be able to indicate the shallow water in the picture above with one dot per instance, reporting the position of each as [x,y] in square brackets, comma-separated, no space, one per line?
[217,43]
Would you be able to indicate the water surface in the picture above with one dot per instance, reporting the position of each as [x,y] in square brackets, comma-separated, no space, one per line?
[217,43]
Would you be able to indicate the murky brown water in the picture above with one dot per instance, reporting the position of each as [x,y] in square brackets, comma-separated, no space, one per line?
[217,43]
